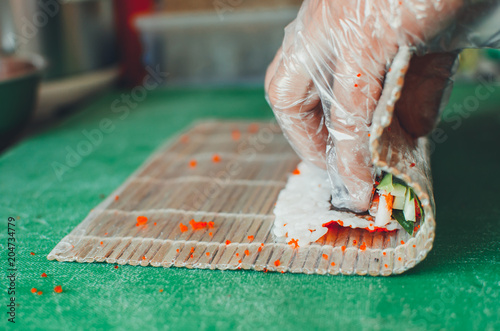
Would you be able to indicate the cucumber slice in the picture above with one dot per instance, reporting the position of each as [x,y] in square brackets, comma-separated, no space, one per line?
[399,203]
[409,208]
[386,183]
[398,190]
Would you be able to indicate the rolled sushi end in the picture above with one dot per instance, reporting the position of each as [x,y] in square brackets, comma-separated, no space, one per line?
[396,202]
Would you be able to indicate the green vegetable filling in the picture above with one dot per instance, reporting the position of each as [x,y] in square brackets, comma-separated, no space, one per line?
[406,207]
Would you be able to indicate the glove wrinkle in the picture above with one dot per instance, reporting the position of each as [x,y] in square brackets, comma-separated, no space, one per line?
[325,82]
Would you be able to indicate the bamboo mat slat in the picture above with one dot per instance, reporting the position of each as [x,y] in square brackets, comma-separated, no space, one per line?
[228,173]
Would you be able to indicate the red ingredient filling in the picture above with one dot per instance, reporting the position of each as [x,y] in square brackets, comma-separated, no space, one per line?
[335,225]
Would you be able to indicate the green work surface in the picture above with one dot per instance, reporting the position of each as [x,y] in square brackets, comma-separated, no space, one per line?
[456,287]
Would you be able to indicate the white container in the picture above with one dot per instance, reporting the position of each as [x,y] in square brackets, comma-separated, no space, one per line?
[207,48]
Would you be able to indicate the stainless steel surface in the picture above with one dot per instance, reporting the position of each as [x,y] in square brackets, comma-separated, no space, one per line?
[200,48]
[74,36]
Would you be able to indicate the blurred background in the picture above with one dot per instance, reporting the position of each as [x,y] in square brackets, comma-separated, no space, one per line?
[57,54]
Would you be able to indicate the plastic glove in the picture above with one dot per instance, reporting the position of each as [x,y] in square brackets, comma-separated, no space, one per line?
[326,79]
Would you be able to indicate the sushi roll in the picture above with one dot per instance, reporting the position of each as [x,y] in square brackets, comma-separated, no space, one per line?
[402,204]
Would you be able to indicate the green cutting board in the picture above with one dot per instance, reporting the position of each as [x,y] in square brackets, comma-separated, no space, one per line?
[456,288]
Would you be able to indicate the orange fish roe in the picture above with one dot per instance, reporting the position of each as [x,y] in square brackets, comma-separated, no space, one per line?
[141,220]
[228,242]
[183,227]
[216,158]
[354,242]
[210,234]
[143,257]
[362,247]
[207,253]
[399,258]
[211,225]
[384,253]
[40,293]
[260,249]
[253,128]
[236,135]
[250,238]
[343,248]
[58,289]
[296,172]
[33,290]
[197,225]
[177,250]
[116,198]
[358,75]
[161,290]
[294,242]
[44,275]
[102,243]
[116,267]
[412,165]
[237,254]
[325,256]
[239,261]
[154,223]
[262,244]
[191,256]
[277,263]
[247,252]
[414,246]
[106,234]
[193,163]
[265,270]
[332,264]
[32,253]
[192,249]
[385,265]
[402,242]
[355,85]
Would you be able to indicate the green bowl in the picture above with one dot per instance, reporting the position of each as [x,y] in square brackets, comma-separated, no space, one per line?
[20,77]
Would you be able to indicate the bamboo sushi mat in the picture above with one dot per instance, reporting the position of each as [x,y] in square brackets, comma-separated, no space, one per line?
[208,197]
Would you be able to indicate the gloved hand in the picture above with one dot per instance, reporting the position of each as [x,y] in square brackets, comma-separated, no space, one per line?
[326,79]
